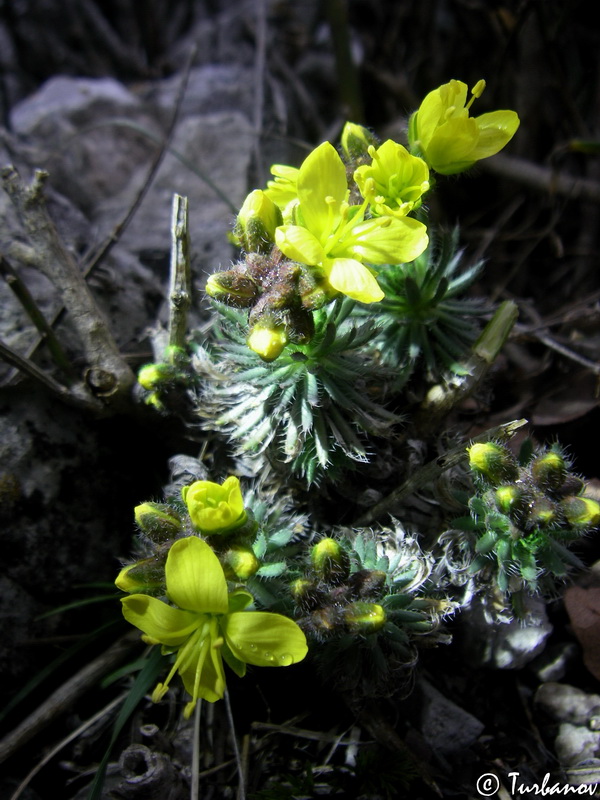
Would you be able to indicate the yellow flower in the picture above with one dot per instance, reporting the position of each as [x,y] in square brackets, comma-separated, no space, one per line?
[283,190]
[394,182]
[451,141]
[214,508]
[334,237]
[206,625]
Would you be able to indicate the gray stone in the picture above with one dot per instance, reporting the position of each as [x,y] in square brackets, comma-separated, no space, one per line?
[210,89]
[504,644]
[566,703]
[575,744]
[446,727]
[89,134]
[219,146]
[554,662]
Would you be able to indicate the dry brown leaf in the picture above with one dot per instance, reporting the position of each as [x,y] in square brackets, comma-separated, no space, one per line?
[583,608]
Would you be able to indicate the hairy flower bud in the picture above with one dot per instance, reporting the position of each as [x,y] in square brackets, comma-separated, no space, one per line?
[549,471]
[361,617]
[158,521]
[367,583]
[582,512]
[542,511]
[267,339]
[356,140]
[492,461]
[307,594]
[510,499]
[233,288]
[146,576]
[330,561]
[151,376]
[240,562]
[256,223]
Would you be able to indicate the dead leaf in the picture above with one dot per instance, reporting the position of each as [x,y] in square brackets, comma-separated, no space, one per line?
[583,608]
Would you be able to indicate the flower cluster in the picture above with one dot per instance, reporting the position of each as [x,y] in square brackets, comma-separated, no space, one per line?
[331,226]
[523,517]
[200,620]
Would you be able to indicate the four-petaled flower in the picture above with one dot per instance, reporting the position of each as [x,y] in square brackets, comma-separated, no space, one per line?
[215,508]
[451,141]
[208,626]
[335,238]
[394,182]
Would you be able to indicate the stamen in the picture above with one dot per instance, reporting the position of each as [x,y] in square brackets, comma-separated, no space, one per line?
[206,634]
[184,652]
[450,111]
[476,91]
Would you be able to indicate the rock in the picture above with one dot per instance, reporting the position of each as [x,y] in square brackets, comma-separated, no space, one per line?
[503,644]
[211,89]
[85,134]
[575,744]
[219,146]
[446,727]
[554,661]
[566,703]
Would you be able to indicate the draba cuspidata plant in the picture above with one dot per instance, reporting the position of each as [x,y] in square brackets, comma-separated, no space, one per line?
[339,343]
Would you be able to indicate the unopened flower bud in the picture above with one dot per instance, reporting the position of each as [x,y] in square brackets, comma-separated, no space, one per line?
[151,376]
[158,521]
[572,484]
[330,561]
[240,562]
[361,617]
[549,471]
[355,141]
[143,577]
[492,461]
[542,512]
[256,223]
[582,512]
[233,288]
[510,499]
[314,289]
[267,339]
[306,594]
[325,620]
[367,583]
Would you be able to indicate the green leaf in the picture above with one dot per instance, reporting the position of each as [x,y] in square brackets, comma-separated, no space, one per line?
[260,545]
[486,543]
[272,570]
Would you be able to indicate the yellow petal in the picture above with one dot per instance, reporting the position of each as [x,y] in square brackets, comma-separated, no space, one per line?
[299,244]
[389,240]
[211,685]
[264,639]
[161,622]
[353,279]
[452,145]
[496,129]
[435,107]
[195,579]
[322,187]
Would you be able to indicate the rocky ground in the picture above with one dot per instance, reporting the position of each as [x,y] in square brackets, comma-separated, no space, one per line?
[123,109]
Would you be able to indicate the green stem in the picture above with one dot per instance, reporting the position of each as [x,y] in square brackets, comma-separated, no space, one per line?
[195,783]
